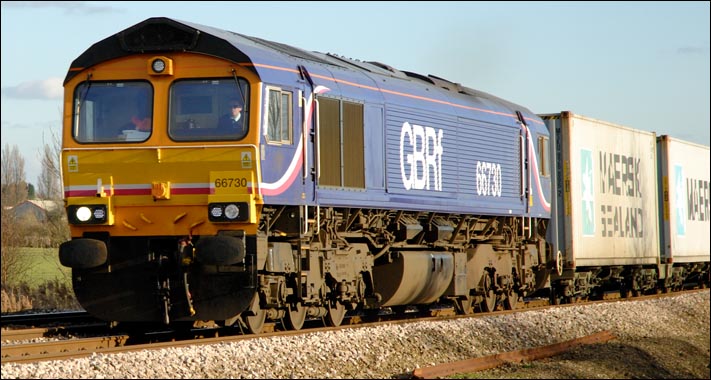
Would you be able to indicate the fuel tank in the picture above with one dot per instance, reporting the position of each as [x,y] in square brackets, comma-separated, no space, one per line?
[414,277]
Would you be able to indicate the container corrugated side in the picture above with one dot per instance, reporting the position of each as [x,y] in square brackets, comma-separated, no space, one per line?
[684,178]
[610,193]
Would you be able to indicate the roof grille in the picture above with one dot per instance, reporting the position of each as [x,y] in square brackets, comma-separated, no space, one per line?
[158,34]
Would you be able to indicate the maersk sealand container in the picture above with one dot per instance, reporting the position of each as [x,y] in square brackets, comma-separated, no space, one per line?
[683,171]
[606,193]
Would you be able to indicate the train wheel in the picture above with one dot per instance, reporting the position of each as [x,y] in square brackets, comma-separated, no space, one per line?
[255,322]
[336,312]
[489,302]
[511,300]
[295,316]
[465,305]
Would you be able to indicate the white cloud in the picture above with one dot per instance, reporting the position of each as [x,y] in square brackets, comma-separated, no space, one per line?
[40,89]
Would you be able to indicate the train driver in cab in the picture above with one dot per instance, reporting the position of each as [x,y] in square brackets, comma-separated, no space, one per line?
[232,123]
[142,116]
[141,121]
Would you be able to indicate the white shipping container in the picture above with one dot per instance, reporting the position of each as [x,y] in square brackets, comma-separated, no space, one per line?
[607,197]
[684,173]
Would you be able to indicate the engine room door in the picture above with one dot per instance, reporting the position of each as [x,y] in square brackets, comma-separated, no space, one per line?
[340,145]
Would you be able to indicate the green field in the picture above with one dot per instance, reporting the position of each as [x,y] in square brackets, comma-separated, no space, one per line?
[38,282]
[44,266]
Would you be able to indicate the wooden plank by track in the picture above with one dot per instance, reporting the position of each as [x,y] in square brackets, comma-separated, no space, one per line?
[491,361]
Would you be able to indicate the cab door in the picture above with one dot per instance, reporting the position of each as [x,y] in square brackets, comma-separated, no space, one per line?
[282,149]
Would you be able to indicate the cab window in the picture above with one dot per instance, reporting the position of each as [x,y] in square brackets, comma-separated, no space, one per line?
[209,109]
[109,112]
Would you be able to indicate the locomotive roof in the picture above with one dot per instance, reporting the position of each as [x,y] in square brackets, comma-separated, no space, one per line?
[161,34]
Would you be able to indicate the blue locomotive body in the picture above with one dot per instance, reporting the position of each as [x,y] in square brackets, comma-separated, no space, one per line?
[428,144]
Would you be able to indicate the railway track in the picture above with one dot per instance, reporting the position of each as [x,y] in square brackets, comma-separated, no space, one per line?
[46,319]
[25,352]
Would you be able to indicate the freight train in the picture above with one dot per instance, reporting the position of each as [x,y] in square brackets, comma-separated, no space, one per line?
[339,185]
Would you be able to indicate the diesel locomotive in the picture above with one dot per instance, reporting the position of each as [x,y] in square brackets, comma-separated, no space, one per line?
[349,186]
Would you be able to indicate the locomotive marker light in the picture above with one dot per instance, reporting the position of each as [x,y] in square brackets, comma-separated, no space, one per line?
[99,213]
[216,212]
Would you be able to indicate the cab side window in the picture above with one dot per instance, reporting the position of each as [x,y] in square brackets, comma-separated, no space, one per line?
[279,116]
[543,164]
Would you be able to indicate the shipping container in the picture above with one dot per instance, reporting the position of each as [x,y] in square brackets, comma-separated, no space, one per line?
[683,170]
[606,199]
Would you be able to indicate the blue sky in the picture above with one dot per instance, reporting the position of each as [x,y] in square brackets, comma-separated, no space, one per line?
[640,64]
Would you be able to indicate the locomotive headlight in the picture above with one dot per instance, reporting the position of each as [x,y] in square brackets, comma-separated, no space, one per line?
[83,214]
[87,214]
[231,211]
[158,65]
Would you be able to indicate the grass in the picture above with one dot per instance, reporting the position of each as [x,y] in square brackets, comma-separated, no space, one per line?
[46,285]
[46,267]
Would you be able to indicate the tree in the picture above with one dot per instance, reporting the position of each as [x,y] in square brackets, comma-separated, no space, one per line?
[56,229]
[49,181]
[14,191]
[12,264]
[18,233]
[14,186]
